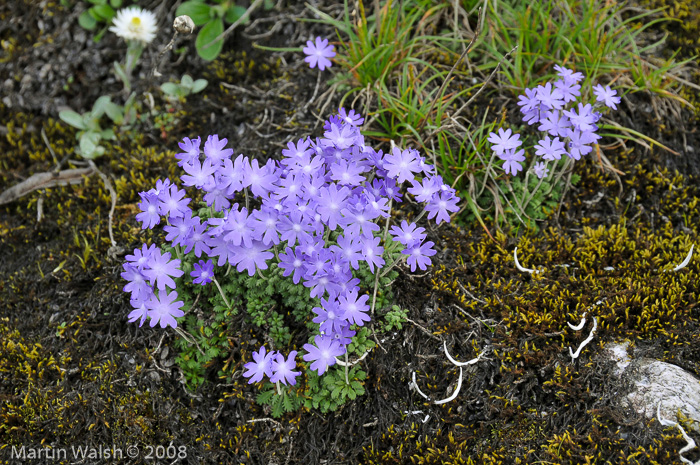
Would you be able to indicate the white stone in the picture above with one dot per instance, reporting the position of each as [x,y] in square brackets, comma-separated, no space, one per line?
[655,383]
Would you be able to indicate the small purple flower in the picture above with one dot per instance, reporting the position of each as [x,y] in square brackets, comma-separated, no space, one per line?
[296,152]
[504,141]
[141,256]
[329,316]
[171,202]
[541,169]
[292,262]
[198,174]
[293,227]
[203,272]
[161,268]
[408,233]
[323,354]
[265,224]
[179,229]
[215,151]
[197,238]
[248,258]
[357,221]
[378,207]
[149,215]
[238,226]
[550,149]
[372,252]
[402,164]
[351,117]
[320,283]
[568,74]
[342,137]
[231,174]
[569,89]
[529,101]
[140,311]
[318,53]
[137,285]
[606,95]
[554,124]
[282,370]
[332,200]
[512,161]
[585,119]
[578,143]
[418,255]
[261,366]
[550,97]
[347,173]
[350,249]
[260,179]
[441,204]
[190,149]
[164,309]
[354,309]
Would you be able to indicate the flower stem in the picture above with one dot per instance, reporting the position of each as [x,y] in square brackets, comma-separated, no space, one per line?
[376,275]
[221,291]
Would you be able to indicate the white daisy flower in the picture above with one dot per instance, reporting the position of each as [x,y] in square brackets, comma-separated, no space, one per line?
[135,24]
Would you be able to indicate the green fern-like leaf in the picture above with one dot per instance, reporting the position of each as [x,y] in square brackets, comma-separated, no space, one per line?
[277,406]
[265,397]
[288,403]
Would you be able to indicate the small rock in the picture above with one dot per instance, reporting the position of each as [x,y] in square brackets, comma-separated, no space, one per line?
[655,382]
[650,382]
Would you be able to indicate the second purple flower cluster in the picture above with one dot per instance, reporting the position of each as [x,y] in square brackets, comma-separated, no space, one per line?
[570,131]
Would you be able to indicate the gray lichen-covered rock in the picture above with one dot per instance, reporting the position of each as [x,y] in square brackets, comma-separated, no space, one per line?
[652,382]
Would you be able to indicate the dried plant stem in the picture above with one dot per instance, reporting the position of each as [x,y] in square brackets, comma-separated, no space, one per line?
[488,79]
[449,74]
[228,305]
[113,195]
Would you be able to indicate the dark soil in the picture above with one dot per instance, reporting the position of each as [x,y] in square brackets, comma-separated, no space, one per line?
[74,372]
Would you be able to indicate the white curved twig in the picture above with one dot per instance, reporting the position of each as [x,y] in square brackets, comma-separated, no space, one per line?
[685,262]
[454,395]
[415,385]
[691,443]
[575,355]
[455,362]
[342,363]
[579,326]
[520,267]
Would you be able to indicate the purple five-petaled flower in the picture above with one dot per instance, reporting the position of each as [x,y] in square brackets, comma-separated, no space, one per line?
[318,53]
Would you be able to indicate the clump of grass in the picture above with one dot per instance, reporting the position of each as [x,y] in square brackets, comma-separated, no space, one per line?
[396,63]
[404,63]
[601,39]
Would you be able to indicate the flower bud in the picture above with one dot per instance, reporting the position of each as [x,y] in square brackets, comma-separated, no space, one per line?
[183,24]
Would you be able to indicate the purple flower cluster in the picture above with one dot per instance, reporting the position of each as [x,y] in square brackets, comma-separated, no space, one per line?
[570,128]
[333,183]
[149,273]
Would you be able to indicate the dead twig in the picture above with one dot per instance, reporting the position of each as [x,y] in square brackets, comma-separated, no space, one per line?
[488,79]
[449,75]
[44,181]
